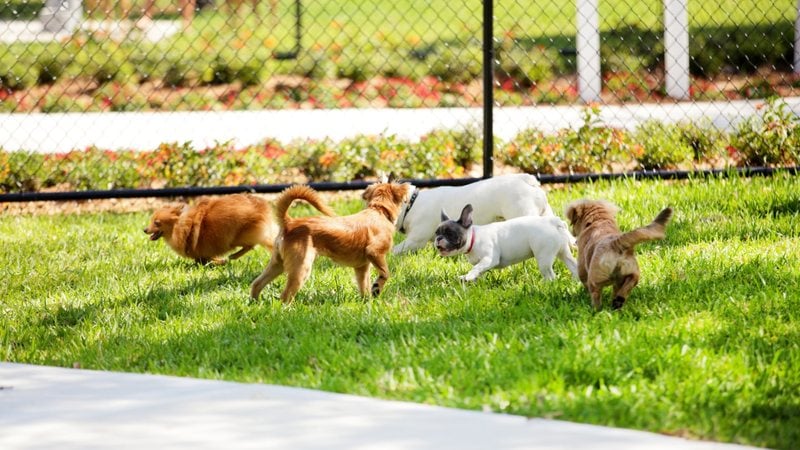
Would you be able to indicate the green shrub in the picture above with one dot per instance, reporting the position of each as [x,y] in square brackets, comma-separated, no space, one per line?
[631,47]
[55,103]
[355,65]
[594,147]
[250,73]
[532,151]
[527,67]
[51,69]
[464,144]
[21,171]
[590,148]
[8,104]
[105,62]
[662,146]
[760,88]
[309,64]
[176,74]
[121,97]
[16,74]
[456,64]
[743,47]
[392,64]
[706,141]
[220,71]
[318,160]
[773,138]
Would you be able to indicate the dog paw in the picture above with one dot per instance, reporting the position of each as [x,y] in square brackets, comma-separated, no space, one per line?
[467,278]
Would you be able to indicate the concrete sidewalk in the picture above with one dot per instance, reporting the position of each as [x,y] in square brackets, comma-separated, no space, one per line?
[15,31]
[62,132]
[47,407]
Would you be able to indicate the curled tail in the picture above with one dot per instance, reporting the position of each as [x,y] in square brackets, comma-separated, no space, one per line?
[655,230]
[298,192]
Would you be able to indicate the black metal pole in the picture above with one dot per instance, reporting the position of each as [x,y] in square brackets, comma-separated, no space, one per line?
[298,35]
[488,88]
[195,191]
[298,27]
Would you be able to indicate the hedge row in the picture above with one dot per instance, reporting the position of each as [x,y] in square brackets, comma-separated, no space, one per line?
[772,139]
[210,60]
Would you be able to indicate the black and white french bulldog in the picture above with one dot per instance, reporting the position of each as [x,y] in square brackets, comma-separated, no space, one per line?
[496,198]
[502,244]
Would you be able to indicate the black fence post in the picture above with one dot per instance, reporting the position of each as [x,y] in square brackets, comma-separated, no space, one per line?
[488,88]
[298,26]
[298,34]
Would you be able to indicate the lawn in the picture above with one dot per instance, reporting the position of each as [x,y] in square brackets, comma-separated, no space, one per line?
[708,345]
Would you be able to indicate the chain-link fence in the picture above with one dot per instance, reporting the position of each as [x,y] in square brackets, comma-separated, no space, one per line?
[98,95]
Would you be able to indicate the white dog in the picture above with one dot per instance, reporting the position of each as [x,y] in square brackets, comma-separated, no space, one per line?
[502,244]
[502,197]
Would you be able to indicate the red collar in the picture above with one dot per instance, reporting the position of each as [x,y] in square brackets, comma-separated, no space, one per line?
[471,241]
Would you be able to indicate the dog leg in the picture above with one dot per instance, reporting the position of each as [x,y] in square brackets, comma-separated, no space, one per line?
[565,255]
[298,268]
[274,268]
[241,252]
[623,288]
[379,261]
[597,295]
[546,268]
[362,279]
[478,269]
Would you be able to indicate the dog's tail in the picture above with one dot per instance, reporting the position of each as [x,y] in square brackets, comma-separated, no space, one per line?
[298,192]
[654,231]
[563,229]
[532,181]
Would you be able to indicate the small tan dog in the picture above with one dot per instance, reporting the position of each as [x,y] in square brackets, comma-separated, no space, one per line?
[358,240]
[605,254]
[212,227]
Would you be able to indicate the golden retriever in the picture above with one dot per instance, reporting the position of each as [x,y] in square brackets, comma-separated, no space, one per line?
[605,254]
[358,240]
[213,227]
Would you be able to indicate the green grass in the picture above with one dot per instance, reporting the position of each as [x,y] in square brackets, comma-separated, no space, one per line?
[708,345]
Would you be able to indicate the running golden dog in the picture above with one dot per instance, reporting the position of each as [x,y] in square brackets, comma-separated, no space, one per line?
[605,254]
[358,240]
[212,227]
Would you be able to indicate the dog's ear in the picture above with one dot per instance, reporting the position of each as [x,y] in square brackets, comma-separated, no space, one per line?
[368,192]
[400,192]
[176,210]
[445,218]
[466,216]
[572,213]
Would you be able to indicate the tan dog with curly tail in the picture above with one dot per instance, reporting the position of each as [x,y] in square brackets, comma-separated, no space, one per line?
[358,240]
[605,254]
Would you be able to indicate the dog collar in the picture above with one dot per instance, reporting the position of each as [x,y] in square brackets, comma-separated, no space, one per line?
[408,208]
[471,241]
